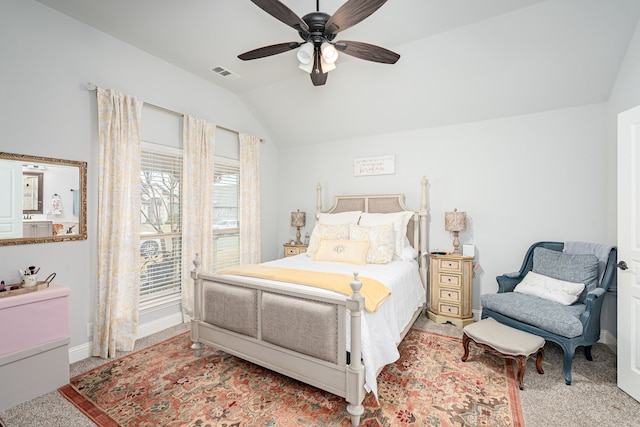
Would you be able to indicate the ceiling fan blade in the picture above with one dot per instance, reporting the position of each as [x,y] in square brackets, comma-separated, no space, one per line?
[350,13]
[273,49]
[282,13]
[367,51]
[318,77]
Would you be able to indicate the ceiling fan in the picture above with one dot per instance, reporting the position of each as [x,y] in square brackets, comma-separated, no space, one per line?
[318,51]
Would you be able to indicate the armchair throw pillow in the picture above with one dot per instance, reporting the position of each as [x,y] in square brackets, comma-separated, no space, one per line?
[576,268]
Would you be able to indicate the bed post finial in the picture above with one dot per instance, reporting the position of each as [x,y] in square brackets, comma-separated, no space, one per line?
[423,200]
[318,200]
[197,263]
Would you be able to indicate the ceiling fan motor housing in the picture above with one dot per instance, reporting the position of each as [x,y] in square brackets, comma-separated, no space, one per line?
[316,22]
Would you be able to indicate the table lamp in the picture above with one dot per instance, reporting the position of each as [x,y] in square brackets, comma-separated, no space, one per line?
[455,222]
[298,220]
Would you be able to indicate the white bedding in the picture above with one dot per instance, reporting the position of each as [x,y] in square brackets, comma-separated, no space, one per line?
[380,330]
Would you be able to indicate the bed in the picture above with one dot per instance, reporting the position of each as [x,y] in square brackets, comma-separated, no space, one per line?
[328,339]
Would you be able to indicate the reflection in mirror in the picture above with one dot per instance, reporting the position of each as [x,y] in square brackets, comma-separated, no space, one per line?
[31,192]
[41,199]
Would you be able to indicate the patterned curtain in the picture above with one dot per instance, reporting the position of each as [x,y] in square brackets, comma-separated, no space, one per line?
[249,204]
[118,293]
[197,202]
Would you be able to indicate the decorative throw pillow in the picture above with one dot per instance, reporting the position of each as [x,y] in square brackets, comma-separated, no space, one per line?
[399,220]
[546,287]
[347,251]
[381,241]
[350,217]
[576,268]
[325,231]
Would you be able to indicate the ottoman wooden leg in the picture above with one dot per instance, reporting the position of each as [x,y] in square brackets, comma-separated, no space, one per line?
[539,358]
[522,365]
[465,345]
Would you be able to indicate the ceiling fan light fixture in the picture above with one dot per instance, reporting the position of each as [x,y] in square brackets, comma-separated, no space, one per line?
[329,53]
[326,66]
[306,67]
[305,54]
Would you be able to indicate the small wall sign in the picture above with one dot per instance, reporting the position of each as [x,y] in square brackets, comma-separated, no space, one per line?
[381,165]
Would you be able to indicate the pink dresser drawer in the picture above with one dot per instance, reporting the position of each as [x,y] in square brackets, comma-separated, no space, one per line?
[32,319]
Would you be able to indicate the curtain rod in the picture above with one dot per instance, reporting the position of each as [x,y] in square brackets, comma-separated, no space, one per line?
[91,87]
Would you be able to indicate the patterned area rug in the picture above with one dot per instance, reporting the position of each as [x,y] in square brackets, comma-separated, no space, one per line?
[165,385]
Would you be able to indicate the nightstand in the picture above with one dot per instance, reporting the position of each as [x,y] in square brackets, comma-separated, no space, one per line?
[450,280]
[291,250]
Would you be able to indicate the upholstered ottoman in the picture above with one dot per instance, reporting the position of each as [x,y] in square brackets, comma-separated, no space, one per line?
[504,341]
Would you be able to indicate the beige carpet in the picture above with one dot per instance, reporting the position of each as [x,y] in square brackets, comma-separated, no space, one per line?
[593,399]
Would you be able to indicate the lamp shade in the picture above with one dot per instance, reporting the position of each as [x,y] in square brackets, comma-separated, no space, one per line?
[298,219]
[305,53]
[329,53]
[327,66]
[455,221]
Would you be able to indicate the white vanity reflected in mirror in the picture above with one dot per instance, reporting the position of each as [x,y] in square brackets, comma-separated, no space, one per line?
[41,199]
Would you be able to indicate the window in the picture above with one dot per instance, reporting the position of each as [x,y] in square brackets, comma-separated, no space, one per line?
[226,232]
[160,229]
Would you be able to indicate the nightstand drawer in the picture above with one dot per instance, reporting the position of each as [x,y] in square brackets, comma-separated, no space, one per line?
[449,279]
[449,309]
[449,294]
[451,264]
[292,250]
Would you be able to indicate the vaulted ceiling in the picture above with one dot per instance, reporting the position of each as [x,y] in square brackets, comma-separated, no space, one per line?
[461,60]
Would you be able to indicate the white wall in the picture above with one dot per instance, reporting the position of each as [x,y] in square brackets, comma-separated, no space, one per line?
[520,179]
[47,58]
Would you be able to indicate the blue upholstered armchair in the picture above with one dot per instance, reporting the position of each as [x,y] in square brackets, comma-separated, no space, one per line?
[570,326]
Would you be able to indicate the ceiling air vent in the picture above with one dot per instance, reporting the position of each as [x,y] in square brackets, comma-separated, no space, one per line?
[223,72]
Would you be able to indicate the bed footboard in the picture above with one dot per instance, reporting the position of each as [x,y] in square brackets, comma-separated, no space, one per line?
[299,334]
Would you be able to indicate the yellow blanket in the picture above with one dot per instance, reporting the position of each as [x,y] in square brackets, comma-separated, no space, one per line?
[374,292]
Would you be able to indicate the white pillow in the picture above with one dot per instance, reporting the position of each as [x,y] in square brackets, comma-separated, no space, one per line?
[546,287]
[350,217]
[399,221]
[347,251]
[381,241]
[409,253]
[325,231]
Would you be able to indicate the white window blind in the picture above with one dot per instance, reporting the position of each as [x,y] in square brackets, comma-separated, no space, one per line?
[160,231]
[226,232]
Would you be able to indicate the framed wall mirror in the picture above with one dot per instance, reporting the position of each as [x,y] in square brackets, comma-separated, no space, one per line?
[42,199]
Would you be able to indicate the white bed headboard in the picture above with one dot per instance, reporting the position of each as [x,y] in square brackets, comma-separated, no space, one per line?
[387,203]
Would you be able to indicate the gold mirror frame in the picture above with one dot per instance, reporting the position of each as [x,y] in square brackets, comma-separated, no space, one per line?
[82,202]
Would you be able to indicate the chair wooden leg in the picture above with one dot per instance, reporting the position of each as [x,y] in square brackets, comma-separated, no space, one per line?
[587,353]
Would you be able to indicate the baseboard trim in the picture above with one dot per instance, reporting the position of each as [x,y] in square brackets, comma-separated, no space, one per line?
[609,340]
[84,351]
